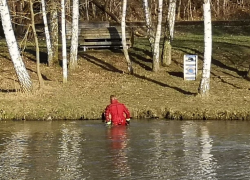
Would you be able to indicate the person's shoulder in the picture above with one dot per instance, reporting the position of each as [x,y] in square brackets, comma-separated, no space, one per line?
[108,106]
[122,104]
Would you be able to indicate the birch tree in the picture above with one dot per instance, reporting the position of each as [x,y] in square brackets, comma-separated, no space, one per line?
[124,42]
[205,80]
[20,69]
[169,34]
[41,83]
[64,47]
[74,38]
[47,33]
[54,30]
[171,17]
[150,29]
[156,52]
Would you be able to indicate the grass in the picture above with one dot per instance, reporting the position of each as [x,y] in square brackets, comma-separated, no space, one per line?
[148,95]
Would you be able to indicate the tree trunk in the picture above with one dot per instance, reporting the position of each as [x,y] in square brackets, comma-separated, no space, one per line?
[179,11]
[167,48]
[64,47]
[47,35]
[205,80]
[86,7]
[171,17]
[169,34]
[218,7]
[106,7]
[54,31]
[22,74]
[41,83]
[93,10]
[124,42]
[224,6]
[150,30]
[156,64]
[189,10]
[74,38]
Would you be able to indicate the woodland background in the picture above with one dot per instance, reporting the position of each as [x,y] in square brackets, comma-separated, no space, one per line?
[110,10]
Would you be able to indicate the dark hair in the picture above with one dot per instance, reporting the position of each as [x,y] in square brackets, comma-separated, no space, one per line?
[112,97]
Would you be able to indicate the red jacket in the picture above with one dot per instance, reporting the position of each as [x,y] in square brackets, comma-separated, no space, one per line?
[117,113]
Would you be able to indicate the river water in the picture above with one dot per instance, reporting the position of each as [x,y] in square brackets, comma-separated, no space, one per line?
[147,149]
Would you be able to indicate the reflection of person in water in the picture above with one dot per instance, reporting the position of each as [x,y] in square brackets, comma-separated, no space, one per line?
[118,135]
[119,141]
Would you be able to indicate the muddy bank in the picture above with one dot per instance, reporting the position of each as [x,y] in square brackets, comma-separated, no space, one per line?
[136,113]
[148,114]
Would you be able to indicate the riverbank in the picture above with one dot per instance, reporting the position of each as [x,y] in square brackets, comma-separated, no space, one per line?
[148,95]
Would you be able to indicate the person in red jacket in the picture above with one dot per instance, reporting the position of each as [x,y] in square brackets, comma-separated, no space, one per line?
[116,113]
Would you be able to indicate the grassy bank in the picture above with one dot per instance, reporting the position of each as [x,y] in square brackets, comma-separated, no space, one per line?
[148,95]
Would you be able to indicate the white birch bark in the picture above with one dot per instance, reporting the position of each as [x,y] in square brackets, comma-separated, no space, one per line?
[169,34]
[47,35]
[171,17]
[205,80]
[74,38]
[21,71]
[124,42]
[156,52]
[148,19]
[64,48]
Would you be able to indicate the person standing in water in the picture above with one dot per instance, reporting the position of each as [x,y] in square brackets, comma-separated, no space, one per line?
[116,113]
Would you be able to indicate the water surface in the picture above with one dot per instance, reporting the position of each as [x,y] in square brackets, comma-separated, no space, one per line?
[147,149]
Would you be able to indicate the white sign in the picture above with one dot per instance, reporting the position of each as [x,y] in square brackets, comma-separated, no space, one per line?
[190,67]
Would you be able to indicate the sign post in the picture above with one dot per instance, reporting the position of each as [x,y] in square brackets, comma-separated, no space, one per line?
[190,67]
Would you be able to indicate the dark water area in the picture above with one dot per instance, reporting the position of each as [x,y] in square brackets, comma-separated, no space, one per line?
[147,149]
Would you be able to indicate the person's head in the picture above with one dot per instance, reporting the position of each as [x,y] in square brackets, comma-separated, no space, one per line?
[112,98]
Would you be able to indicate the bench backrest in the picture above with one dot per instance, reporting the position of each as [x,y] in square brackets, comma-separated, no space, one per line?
[86,25]
[97,30]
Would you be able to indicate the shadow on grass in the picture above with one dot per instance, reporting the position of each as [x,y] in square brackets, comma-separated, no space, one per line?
[226,82]
[164,85]
[43,56]
[222,66]
[43,76]
[100,63]
[232,54]
[143,51]
[134,58]
[141,60]
[5,57]
[216,62]
[8,90]
[109,67]
[176,74]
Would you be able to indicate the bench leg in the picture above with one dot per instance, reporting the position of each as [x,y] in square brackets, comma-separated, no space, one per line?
[84,48]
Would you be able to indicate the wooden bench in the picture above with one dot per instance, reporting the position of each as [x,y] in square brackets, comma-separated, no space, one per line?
[94,35]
